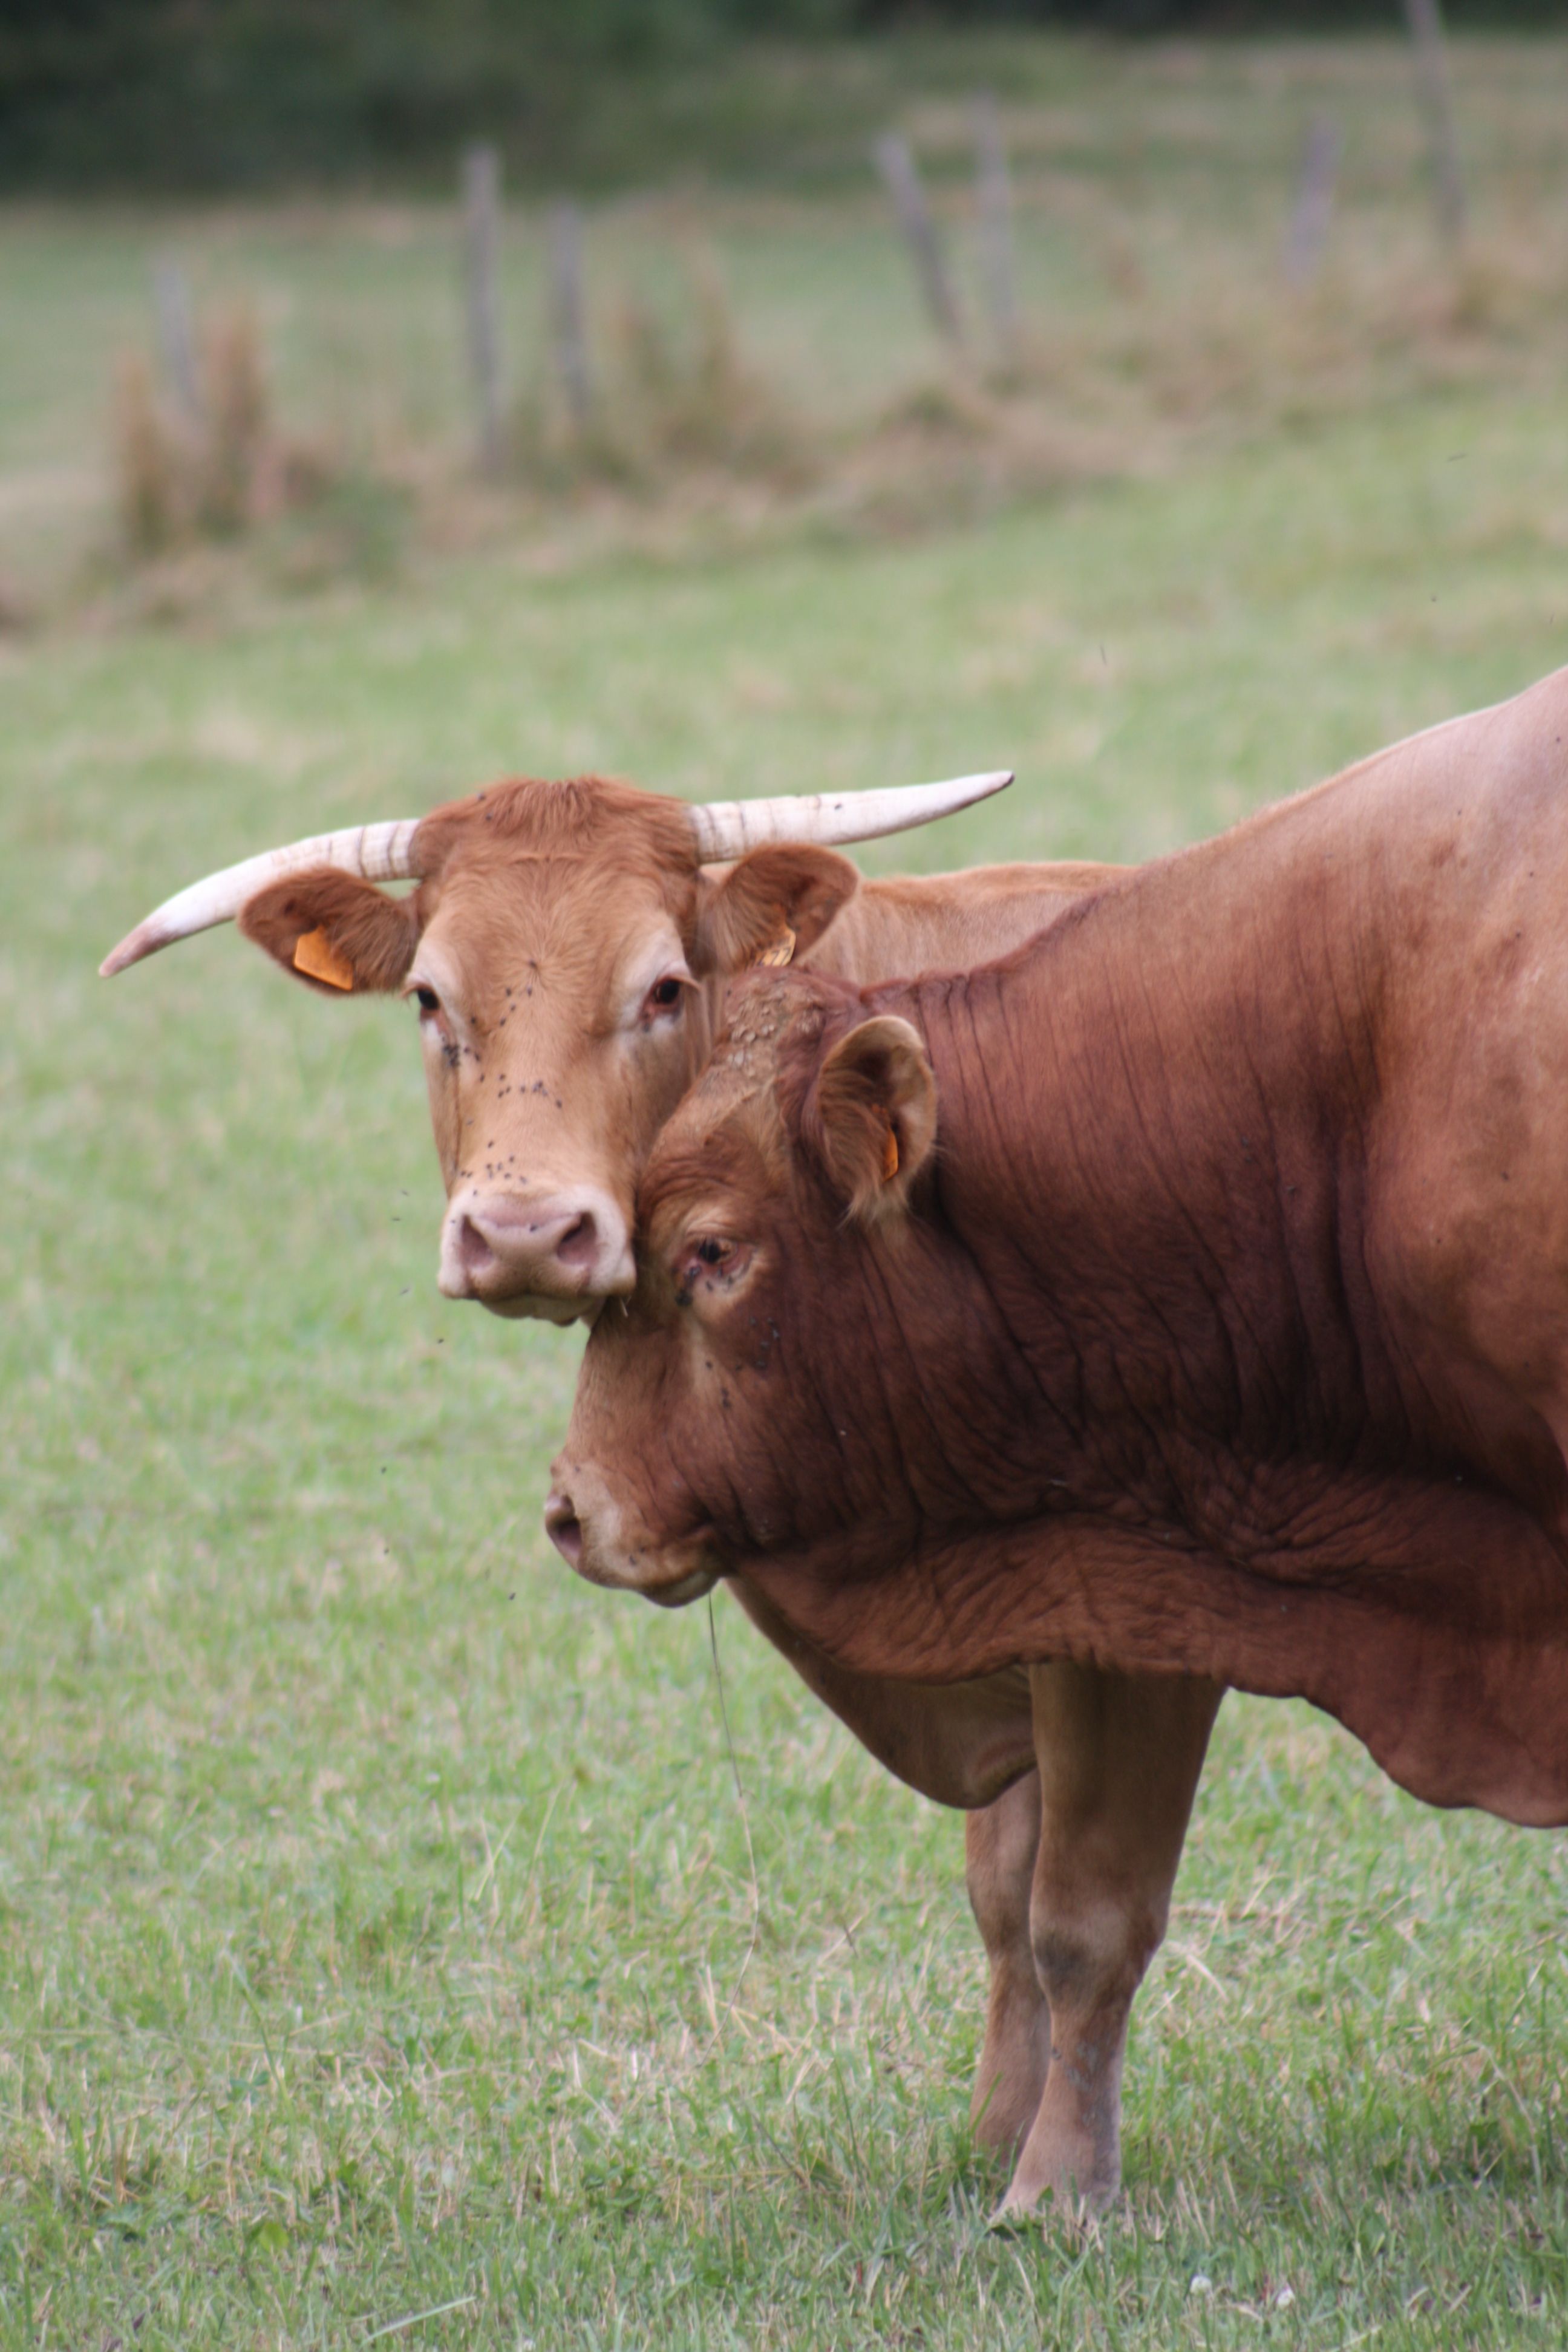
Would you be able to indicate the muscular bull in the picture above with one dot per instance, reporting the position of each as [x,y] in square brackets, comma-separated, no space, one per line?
[566,949]
[1186,1292]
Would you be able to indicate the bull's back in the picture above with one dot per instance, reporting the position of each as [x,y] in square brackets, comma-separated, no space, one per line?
[896,927]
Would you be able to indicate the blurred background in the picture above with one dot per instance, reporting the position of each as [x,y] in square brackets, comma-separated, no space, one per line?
[352,283]
[737,397]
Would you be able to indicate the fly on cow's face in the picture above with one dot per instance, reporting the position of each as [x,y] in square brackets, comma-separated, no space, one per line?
[710,1266]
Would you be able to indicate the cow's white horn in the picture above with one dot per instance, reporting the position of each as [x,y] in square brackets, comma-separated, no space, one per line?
[377,853]
[729,828]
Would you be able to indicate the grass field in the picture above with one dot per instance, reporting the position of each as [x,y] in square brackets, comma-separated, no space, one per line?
[386,1944]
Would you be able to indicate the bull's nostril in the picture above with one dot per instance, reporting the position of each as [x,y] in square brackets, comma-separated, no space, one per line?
[564,1528]
[579,1244]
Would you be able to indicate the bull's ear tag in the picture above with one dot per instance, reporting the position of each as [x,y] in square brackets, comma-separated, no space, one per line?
[890,1156]
[315,955]
[779,948]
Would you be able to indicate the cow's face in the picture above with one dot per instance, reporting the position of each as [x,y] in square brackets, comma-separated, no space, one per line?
[559,959]
[720,1414]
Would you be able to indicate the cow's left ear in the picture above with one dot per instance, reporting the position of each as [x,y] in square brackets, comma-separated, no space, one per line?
[771,906]
[875,1107]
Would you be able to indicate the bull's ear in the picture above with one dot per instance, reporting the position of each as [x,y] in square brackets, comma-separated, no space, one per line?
[876,1103]
[338,933]
[771,906]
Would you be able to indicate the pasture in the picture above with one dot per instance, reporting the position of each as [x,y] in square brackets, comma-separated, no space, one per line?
[398,1938]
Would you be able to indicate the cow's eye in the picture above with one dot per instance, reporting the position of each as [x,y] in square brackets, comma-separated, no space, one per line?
[427,1000]
[714,1252]
[662,995]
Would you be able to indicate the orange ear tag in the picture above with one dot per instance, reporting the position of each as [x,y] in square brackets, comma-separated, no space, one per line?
[315,955]
[890,1156]
[779,950]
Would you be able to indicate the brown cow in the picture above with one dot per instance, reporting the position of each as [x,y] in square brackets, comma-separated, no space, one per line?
[565,948]
[1225,1331]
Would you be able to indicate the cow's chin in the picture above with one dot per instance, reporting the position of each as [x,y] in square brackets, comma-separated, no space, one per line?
[693,1586]
[537,1306]
[684,1574]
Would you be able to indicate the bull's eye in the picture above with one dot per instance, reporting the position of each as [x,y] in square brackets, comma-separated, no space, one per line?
[427,1000]
[710,1267]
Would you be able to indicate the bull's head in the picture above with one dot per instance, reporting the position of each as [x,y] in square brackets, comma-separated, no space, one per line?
[559,950]
[739,1406]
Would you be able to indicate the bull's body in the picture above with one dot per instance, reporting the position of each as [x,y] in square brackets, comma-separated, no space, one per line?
[1225,1332]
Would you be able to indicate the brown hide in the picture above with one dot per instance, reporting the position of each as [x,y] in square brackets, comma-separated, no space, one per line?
[1226,1330]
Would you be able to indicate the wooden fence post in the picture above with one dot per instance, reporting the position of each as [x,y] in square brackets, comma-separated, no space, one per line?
[993,194]
[568,311]
[177,338]
[1425,21]
[897,165]
[1308,235]
[481,211]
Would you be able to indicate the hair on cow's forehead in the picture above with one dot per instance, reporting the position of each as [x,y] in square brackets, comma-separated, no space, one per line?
[582,816]
[764,1008]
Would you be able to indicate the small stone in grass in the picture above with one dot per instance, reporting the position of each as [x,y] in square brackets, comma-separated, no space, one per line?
[1202,2283]
[1285,2298]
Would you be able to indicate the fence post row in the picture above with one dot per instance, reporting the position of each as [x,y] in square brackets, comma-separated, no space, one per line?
[1425,22]
[481,212]
[897,165]
[993,195]
[568,309]
[1308,235]
[177,338]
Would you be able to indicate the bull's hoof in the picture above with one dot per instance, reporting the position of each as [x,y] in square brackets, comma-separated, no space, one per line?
[1035,2195]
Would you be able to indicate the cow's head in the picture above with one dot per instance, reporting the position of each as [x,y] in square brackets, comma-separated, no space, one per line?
[559,951]
[739,1405]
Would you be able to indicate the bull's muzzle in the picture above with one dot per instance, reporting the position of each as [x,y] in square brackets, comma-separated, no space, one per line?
[592,1533]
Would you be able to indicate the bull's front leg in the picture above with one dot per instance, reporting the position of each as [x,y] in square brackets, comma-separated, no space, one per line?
[1118,1759]
[1000,1844]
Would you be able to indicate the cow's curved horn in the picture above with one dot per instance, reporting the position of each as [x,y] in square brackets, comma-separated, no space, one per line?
[729,828]
[378,853]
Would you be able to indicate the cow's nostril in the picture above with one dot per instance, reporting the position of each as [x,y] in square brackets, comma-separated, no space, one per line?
[579,1244]
[564,1528]
[474,1252]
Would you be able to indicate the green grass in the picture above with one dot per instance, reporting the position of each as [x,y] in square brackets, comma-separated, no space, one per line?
[380,1927]
[377,1924]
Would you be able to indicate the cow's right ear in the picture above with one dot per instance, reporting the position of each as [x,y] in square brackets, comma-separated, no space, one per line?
[335,933]
[876,1108]
[771,905]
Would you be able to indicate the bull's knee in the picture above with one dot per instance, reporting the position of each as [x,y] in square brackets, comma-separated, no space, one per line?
[1090,1957]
